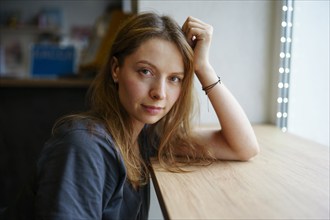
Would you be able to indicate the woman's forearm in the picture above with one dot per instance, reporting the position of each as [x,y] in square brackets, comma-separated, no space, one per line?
[235,126]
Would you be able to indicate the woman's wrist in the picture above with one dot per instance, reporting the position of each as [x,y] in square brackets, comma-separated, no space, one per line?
[208,88]
[206,75]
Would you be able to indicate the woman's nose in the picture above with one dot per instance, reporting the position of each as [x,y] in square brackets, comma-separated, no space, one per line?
[158,90]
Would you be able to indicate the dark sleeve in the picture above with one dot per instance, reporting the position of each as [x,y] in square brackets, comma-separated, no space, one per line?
[77,175]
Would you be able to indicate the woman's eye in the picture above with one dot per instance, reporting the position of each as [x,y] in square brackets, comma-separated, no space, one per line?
[145,72]
[176,79]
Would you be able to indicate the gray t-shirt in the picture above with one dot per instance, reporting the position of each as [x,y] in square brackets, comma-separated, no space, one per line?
[81,175]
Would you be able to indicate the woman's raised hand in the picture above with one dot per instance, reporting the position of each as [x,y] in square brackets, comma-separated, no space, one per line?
[199,36]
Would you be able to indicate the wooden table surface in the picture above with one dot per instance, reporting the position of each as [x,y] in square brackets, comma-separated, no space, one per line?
[289,179]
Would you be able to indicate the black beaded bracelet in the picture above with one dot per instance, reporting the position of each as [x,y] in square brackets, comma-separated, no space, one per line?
[207,89]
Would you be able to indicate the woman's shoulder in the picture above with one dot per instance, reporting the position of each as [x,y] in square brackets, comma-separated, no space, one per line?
[79,124]
[81,133]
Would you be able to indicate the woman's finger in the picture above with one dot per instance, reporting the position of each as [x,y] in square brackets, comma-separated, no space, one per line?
[195,30]
[194,34]
[195,20]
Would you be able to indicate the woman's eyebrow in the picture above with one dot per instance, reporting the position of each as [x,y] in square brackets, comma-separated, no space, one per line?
[148,63]
[155,67]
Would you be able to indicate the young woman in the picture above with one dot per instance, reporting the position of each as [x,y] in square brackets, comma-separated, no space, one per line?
[95,166]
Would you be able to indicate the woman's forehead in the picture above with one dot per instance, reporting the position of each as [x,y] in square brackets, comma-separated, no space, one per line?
[161,53]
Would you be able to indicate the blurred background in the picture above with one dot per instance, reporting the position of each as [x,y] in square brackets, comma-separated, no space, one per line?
[272,55]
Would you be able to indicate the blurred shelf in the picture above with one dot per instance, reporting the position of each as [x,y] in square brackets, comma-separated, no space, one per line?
[45,83]
[27,29]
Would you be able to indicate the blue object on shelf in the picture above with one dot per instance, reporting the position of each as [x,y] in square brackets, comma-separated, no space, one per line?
[52,60]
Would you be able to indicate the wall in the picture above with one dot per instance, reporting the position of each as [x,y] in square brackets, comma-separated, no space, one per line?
[241,53]
[308,114]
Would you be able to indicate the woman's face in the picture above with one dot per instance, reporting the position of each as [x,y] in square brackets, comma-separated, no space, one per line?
[150,80]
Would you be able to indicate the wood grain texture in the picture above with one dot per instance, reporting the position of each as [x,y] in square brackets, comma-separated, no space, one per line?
[289,179]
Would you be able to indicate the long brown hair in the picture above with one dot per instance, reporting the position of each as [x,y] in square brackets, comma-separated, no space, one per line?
[173,130]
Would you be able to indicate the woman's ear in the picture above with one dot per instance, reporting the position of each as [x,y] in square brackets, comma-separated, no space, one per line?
[114,69]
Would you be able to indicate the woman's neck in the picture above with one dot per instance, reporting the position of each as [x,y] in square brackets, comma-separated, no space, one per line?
[137,128]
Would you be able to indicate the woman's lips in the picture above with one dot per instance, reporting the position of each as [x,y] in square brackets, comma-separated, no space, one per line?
[153,110]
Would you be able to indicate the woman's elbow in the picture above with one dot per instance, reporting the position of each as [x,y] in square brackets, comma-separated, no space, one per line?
[249,152]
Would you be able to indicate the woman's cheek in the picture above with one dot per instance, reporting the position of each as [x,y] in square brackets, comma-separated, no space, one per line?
[135,89]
